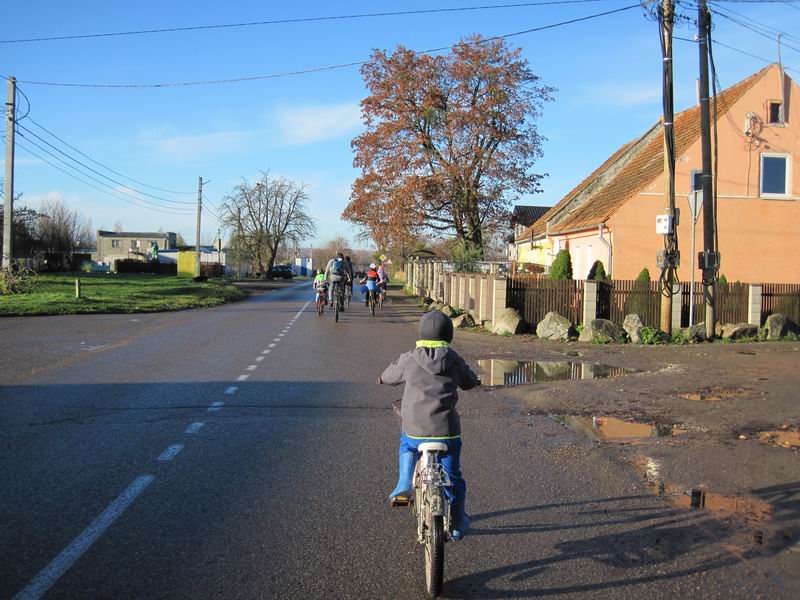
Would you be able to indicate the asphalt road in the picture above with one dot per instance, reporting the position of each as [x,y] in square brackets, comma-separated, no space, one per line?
[246,452]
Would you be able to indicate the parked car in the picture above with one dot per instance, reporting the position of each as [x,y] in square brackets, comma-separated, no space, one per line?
[280,272]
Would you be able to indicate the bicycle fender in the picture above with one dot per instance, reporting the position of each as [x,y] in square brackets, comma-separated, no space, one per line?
[437,505]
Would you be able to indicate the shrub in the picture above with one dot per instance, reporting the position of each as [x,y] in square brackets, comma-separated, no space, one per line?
[677,337]
[597,272]
[17,281]
[723,280]
[639,298]
[562,266]
[466,258]
[652,336]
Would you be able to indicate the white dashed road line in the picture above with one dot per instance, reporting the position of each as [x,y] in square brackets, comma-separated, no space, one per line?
[194,427]
[252,367]
[273,345]
[216,406]
[171,452]
[50,574]
[231,390]
[267,351]
[242,377]
[260,358]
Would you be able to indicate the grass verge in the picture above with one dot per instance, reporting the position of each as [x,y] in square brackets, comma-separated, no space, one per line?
[54,294]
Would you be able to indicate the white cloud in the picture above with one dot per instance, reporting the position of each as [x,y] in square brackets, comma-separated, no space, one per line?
[192,148]
[309,124]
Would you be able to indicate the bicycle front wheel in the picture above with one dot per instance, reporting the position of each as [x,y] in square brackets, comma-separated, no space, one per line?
[434,557]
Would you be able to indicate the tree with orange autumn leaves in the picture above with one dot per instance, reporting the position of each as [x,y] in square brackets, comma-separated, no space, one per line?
[450,141]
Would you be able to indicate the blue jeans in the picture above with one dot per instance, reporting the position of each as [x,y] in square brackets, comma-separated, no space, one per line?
[451,462]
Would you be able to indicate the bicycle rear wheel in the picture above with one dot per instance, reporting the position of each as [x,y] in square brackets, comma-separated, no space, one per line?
[336,310]
[434,557]
[372,303]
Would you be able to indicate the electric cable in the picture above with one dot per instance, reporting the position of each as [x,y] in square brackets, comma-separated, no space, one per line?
[107,168]
[298,20]
[32,153]
[754,30]
[751,20]
[95,171]
[324,68]
[101,182]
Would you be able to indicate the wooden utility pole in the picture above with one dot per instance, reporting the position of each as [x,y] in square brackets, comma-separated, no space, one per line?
[669,257]
[8,185]
[709,258]
[197,237]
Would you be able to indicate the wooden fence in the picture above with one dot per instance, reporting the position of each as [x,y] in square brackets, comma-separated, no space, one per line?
[618,298]
[732,299]
[534,297]
[780,298]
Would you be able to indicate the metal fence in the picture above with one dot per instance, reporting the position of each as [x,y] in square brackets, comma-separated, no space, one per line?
[534,297]
[620,297]
[780,298]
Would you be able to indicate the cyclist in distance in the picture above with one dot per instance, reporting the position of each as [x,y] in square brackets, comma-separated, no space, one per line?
[432,374]
[336,276]
[371,279]
[383,280]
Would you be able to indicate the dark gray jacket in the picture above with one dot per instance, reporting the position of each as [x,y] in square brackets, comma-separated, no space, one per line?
[432,377]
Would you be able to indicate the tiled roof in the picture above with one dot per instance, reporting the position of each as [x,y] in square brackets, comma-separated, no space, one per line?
[134,234]
[527,215]
[634,170]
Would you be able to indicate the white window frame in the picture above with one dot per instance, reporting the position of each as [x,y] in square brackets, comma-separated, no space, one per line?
[115,244]
[787,183]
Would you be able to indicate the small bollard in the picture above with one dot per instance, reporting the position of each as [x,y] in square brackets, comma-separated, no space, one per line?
[77,287]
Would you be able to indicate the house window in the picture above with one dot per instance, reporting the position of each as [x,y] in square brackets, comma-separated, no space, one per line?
[774,113]
[774,175]
[115,243]
[697,180]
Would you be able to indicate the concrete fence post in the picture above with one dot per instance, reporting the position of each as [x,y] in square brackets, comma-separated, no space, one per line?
[471,293]
[483,299]
[462,291]
[446,288]
[754,304]
[590,289]
[677,305]
[499,300]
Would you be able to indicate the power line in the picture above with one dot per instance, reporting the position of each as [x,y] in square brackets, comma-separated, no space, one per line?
[32,153]
[101,182]
[43,128]
[325,68]
[764,26]
[298,20]
[735,49]
[754,30]
[96,172]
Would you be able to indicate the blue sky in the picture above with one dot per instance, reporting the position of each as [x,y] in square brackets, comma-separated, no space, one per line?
[606,71]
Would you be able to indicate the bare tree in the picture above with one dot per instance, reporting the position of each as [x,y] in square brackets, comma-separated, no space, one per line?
[61,231]
[259,218]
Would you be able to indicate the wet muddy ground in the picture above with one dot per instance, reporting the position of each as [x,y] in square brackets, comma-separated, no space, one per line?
[713,427]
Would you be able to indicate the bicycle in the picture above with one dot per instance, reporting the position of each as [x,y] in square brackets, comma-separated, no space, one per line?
[321,300]
[432,511]
[338,300]
[371,302]
[348,293]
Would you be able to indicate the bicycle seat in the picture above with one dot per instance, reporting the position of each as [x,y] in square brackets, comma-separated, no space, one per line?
[432,447]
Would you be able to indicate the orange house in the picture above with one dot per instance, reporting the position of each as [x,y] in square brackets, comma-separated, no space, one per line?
[611,215]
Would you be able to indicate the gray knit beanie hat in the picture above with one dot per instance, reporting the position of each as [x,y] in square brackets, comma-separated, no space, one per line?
[436,326]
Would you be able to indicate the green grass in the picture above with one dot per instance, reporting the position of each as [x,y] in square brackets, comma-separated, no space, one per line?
[54,294]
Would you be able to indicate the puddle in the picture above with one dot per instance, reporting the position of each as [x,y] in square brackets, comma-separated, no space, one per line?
[611,429]
[517,372]
[745,507]
[713,394]
[786,439]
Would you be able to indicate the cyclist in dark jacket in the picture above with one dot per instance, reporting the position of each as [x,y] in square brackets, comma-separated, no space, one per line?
[432,374]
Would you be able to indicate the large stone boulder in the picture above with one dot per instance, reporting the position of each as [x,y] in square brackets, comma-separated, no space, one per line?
[436,306]
[695,333]
[463,321]
[509,322]
[633,327]
[777,326]
[554,327]
[737,331]
[602,331]
[448,310]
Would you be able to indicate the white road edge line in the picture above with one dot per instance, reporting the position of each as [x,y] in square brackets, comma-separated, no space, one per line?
[194,427]
[171,452]
[242,377]
[215,406]
[51,573]
[231,390]
[300,312]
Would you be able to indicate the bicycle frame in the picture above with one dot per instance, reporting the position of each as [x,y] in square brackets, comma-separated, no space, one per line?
[430,480]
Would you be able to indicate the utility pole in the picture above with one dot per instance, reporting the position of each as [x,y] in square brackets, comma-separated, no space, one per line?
[709,258]
[197,238]
[668,259]
[8,202]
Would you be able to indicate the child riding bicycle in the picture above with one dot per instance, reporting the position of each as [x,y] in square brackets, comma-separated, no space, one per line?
[432,374]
